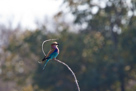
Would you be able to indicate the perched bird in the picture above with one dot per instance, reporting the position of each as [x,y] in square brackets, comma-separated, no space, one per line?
[52,54]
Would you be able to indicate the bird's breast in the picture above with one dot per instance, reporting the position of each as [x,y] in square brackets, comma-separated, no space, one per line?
[56,50]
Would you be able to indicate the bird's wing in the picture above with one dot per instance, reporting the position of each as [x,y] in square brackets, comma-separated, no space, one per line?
[51,51]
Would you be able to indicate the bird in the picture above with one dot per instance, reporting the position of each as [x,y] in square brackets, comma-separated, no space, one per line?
[52,54]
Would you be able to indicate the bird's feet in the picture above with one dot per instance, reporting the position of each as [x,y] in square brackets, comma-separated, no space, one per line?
[45,58]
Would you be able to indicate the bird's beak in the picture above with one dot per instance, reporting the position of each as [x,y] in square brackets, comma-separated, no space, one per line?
[57,44]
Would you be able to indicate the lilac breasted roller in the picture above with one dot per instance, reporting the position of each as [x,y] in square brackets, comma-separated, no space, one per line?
[53,53]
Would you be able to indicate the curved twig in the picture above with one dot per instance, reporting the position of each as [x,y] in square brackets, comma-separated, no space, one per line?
[70,71]
[43,44]
[62,63]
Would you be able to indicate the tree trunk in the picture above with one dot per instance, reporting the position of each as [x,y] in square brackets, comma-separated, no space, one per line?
[122,83]
[121,77]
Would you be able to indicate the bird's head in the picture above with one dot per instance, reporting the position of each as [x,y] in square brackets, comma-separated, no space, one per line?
[54,45]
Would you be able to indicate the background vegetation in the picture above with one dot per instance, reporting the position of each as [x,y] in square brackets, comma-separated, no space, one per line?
[102,53]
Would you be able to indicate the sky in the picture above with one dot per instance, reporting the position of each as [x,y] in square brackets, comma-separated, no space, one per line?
[26,12]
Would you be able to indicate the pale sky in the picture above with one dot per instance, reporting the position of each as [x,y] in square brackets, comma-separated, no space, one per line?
[27,11]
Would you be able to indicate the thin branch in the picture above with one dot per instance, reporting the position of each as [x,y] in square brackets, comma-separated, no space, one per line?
[70,71]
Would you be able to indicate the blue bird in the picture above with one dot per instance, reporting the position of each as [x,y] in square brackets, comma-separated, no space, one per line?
[52,54]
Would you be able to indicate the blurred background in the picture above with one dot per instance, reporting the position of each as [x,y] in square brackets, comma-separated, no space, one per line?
[97,40]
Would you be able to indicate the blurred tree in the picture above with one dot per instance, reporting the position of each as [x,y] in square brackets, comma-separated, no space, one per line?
[28,88]
[91,55]
[19,61]
[108,17]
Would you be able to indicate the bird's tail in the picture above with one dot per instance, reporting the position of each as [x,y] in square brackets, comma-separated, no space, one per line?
[45,64]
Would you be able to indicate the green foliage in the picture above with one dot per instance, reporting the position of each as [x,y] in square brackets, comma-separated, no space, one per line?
[93,59]
[92,56]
